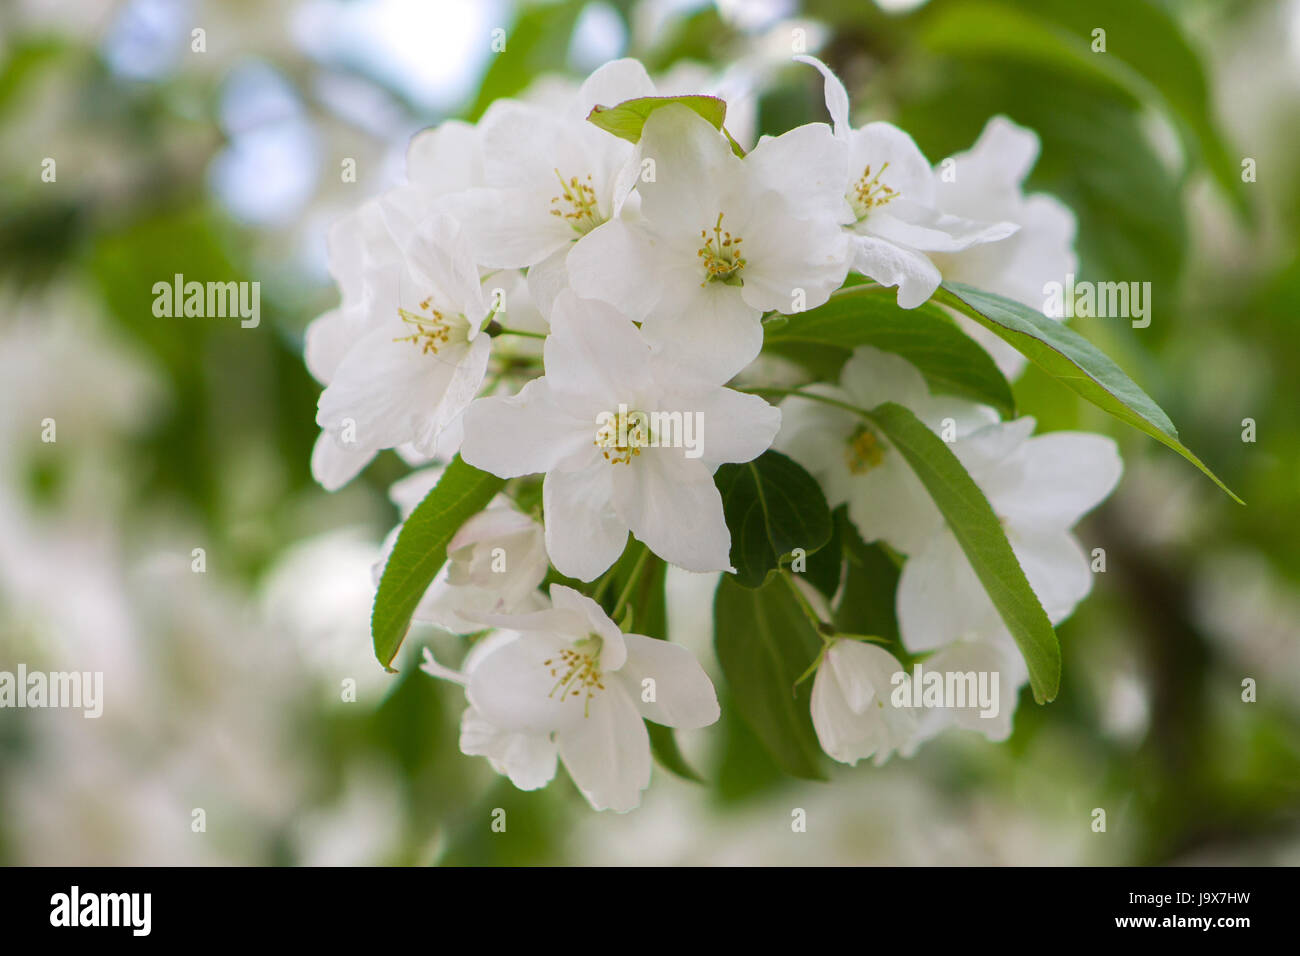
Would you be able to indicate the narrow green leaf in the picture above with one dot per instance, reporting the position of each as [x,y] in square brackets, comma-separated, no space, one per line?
[764,642]
[1072,360]
[951,361]
[980,534]
[421,550]
[772,506]
[627,119]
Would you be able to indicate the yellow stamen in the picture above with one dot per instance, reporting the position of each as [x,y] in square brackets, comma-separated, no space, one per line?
[577,670]
[721,254]
[864,451]
[870,193]
[583,212]
[432,331]
[623,435]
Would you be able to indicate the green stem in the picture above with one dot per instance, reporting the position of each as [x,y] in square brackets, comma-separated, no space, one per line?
[494,330]
[603,584]
[824,399]
[631,583]
[818,625]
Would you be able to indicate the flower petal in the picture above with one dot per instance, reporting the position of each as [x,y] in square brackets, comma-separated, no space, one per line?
[682,695]
[710,329]
[732,426]
[892,265]
[527,759]
[808,167]
[584,532]
[939,597]
[333,465]
[608,753]
[671,503]
[1062,476]
[837,98]
[522,434]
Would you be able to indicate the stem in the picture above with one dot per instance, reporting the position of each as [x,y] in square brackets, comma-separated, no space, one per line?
[824,399]
[494,329]
[631,583]
[602,584]
[818,625]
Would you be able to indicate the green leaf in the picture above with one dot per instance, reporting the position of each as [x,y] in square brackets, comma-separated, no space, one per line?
[951,361]
[627,119]
[772,506]
[980,534]
[421,550]
[1146,56]
[764,642]
[1072,360]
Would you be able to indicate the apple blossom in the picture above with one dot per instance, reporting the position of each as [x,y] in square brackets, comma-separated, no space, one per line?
[588,423]
[550,179]
[852,710]
[721,240]
[416,365]
[894,217]
[564,680]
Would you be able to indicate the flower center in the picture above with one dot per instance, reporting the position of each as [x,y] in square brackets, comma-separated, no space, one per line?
[864,451]
[869,192]
[432,328]
[622,435]
[577,671]
[577,203]
[721,254]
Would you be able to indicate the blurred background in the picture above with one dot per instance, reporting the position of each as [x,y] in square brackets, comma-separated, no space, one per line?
[221,155]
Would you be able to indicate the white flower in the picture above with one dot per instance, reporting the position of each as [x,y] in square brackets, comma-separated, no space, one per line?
[573,674]
[439,161]
[417,362]
[550,179]
[721,240]
[895,219]
[986,182]
[628,439]
[1038,488]
[852,707]
[857,465]
[528,759]
[495,563]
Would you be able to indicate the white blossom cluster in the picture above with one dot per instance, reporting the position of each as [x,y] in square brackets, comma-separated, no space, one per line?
[547,298]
